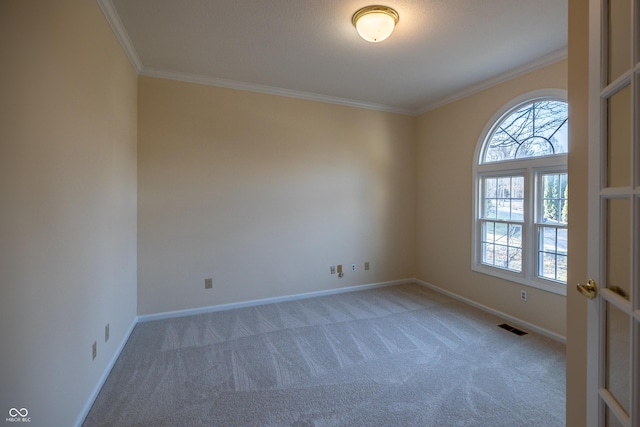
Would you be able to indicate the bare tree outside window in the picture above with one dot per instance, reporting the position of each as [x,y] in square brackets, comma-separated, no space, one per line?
[537,129]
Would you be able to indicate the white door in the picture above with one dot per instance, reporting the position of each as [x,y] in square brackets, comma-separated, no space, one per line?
[614,215]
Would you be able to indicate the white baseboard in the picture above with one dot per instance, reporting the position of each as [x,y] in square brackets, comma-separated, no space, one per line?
[252,303]
[519,322]
[106,373]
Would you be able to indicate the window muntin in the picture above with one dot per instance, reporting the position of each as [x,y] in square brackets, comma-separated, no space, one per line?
[520,230]
[533,130]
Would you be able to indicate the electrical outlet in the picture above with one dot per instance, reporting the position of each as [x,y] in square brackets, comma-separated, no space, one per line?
[94,350]
[332,269]
[353,267]
[106,333]
[366,266]
[523,295]
[208,283]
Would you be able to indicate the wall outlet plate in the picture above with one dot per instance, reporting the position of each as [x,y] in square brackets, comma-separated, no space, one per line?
[106,333]
[208,283]
[523,295]
[94,350]
[332,269]
[366,266]
[353,267]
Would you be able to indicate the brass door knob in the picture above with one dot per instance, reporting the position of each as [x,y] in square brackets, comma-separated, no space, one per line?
[590,290]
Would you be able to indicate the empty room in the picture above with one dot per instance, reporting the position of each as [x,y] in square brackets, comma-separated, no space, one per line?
[240,213]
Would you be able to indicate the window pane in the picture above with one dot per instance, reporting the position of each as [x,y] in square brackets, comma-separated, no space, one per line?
[548,242]
[517,187]
[618,363]
[501,233]
[490,209]
[517,209]
[488,231]
[490,188]
[619,244]
[619,37]
[515,259]
[552,253]
[517,198]
[562,241]
[564,210]
[561,268]
[515,235]
[547,265]
[488,250]
[504,209]
[502,245]
[503,198]
[619,139]
[504,187]
[501,256]
[555,204]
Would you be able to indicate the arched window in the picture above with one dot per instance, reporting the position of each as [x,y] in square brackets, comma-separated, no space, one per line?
[521,193]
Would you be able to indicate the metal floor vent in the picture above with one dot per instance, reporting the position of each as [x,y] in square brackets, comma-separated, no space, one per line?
[512,329]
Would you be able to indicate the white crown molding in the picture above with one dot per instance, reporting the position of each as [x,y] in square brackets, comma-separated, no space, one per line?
[549,59]
[109,11]
[121,34]
[269,90]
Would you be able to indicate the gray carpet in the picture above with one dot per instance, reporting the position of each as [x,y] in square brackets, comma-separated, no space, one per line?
[396,356]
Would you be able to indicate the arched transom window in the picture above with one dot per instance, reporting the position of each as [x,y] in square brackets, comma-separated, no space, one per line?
[535,129]
[521,193]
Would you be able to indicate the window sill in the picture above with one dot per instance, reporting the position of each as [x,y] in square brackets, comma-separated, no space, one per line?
[545,285]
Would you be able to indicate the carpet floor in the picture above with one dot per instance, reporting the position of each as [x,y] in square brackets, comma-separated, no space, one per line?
[396,356]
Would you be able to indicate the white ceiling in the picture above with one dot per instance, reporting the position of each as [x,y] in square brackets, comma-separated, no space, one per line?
[309,48]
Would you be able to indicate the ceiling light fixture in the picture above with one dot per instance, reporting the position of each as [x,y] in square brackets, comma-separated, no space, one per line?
[375,23]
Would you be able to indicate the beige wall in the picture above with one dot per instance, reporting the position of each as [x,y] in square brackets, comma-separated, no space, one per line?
[68,217]
[447,139]
[263,193]
[578,180]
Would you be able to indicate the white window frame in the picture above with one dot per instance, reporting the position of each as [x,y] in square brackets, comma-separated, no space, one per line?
[532,169]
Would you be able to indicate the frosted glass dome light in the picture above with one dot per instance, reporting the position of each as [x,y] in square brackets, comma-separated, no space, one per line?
[375,23]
